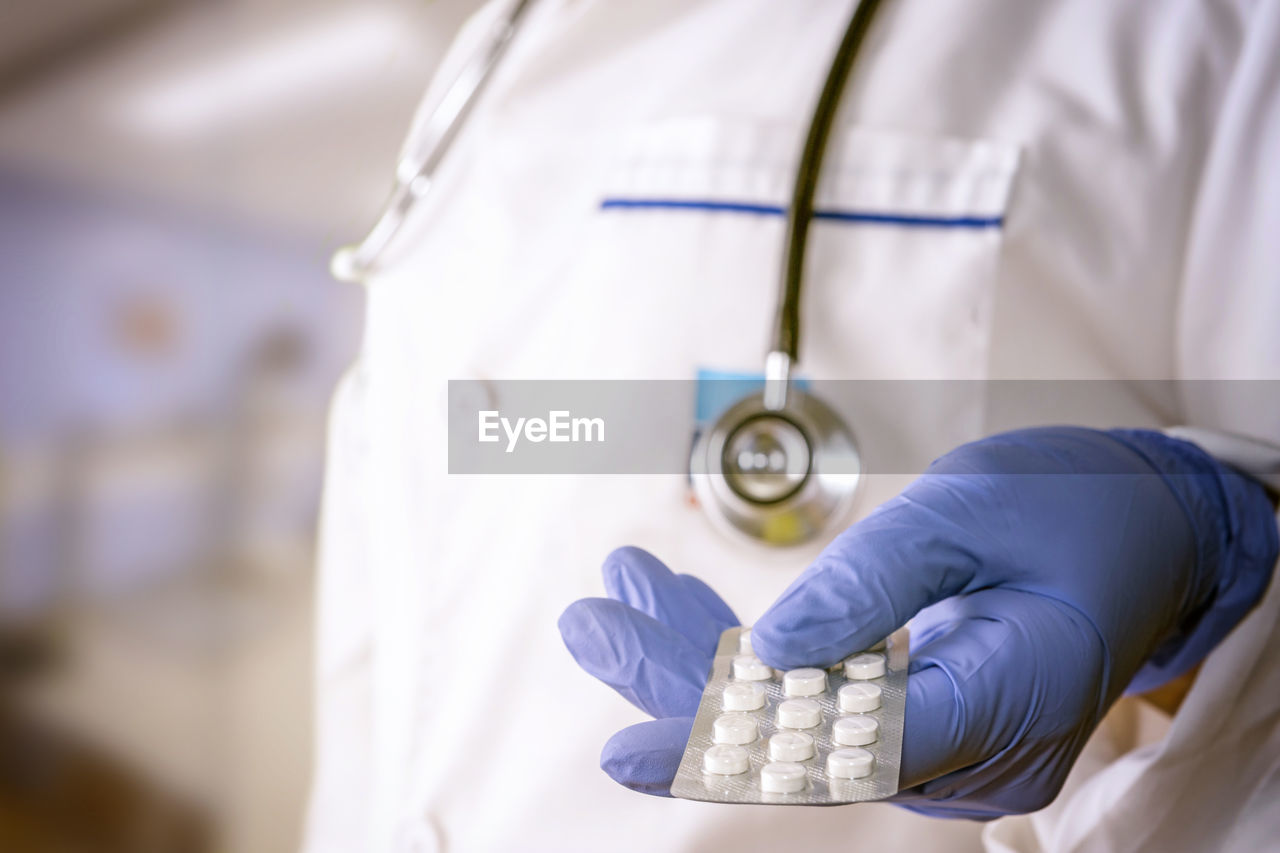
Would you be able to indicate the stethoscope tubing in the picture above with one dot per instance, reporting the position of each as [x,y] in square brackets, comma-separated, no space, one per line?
[818,500]
[416,167]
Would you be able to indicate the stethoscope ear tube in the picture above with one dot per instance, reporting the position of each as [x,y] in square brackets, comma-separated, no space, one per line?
[786,335]
[417,166]
[735,465]
[730,466]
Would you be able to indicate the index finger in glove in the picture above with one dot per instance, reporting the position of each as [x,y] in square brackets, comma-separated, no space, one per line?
[682,602]
[654,666]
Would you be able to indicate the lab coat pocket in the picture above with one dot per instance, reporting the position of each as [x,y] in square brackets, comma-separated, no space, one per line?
[902,254]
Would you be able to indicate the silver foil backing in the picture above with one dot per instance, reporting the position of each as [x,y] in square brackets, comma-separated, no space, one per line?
[691,783]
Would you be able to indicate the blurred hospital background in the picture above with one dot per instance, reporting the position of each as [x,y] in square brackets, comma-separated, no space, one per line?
[173,177]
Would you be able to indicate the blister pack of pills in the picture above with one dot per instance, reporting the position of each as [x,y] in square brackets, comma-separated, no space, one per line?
[806,736]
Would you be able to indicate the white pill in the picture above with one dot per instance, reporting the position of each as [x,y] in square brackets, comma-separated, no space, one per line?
[737,729]
[744,642]
[799,714]
[849,763]
[743,696]
[864,666]
[790,746]
[858,697]
[782,777]
[751,668]
[857,730]
[725,760]
[804,682]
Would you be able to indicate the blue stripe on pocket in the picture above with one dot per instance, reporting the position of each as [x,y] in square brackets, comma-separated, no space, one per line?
[860,217]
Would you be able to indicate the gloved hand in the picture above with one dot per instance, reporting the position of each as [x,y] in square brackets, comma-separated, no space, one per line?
[1055,567]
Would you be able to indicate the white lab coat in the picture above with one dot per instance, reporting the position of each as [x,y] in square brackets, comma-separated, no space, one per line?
[1130,149]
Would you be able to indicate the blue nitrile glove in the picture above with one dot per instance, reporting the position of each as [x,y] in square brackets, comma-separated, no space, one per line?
[652,640]
[1070,565]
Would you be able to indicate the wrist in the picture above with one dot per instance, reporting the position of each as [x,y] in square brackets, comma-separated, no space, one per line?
[1234,527]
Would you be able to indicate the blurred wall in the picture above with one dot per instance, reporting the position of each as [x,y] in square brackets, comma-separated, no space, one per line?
[173,178]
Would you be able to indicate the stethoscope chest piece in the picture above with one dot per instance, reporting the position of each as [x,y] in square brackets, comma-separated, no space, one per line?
[778,476]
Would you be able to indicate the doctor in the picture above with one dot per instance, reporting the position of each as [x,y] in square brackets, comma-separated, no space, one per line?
[1121,158]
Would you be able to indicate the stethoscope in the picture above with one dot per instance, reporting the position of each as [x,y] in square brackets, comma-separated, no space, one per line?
[779,466]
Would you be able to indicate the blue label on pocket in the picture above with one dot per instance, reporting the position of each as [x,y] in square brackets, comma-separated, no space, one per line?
[720,389]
